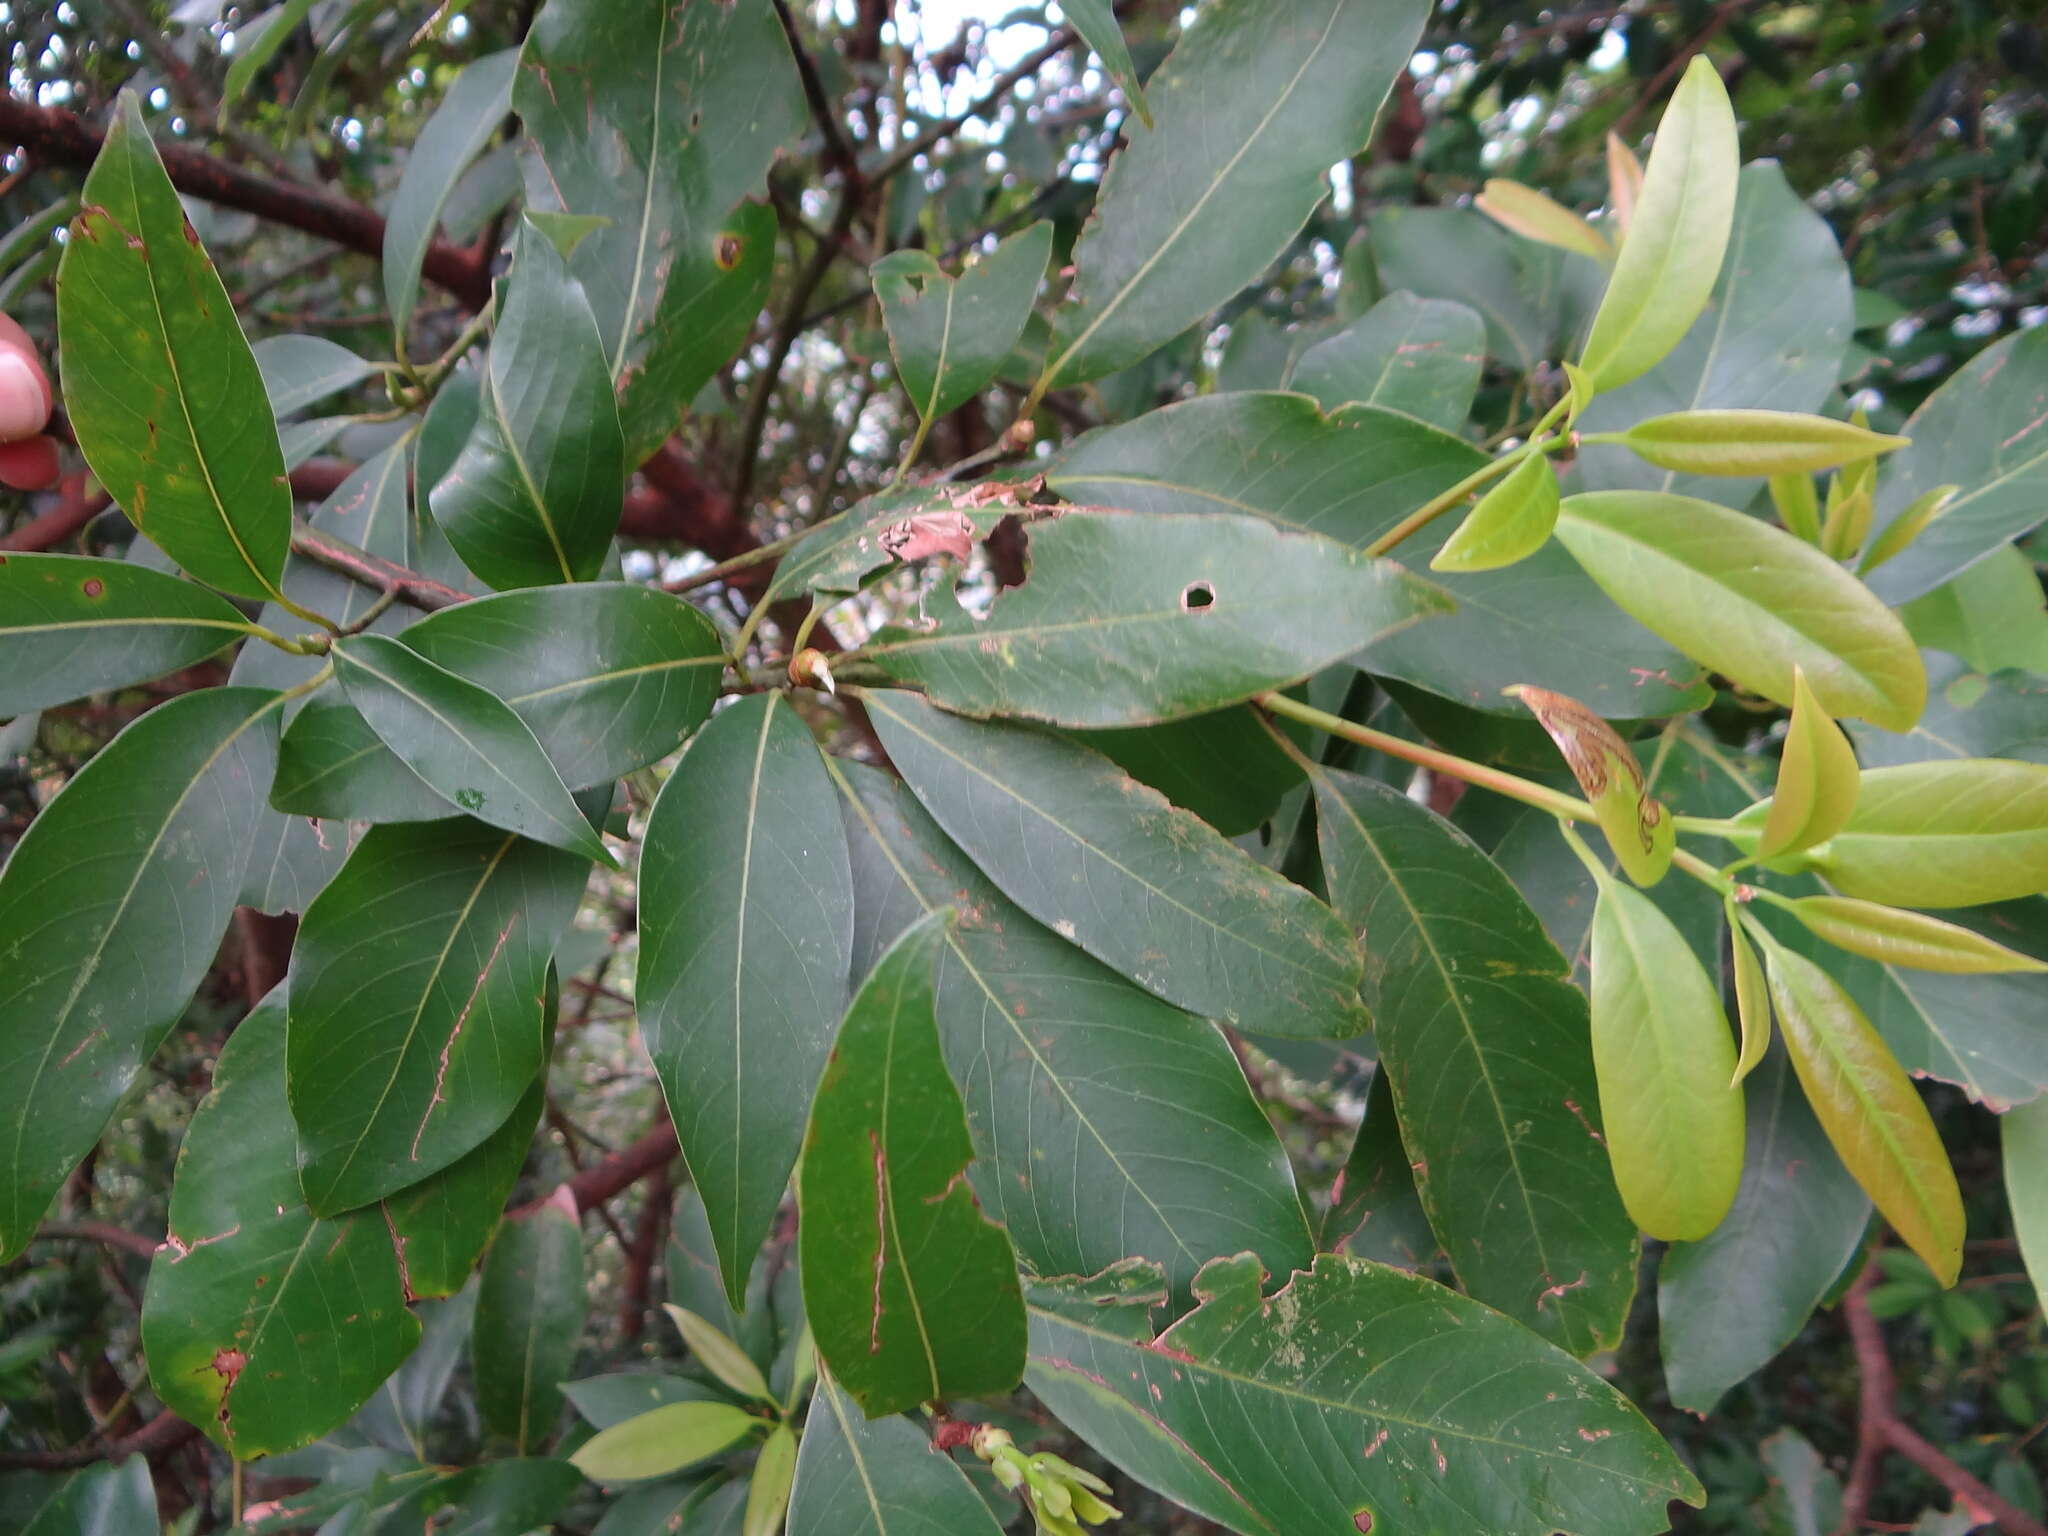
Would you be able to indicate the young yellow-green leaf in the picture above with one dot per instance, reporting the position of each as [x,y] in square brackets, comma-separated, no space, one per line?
[768,1491]
[1798,506]
[746,932]
[111,908]
[159,382]
[1512,521]
[1743,442]
[910,1290]
[265,1325]
[1667,1066]
[1846,522]
[949,335]
[464,741]
[530,1306]
[72,625]
[1639,829]
[1898,937]
[663,1440]
[1818,779]
[1133,618]
[1902,530]
[1677,234]
[2023,1138]
[1537,216]
[1579,392]
[1624,182]
[718,1354]
[1954,833]
[1096,21]
[1868,1107]
[1752,997]
[1748,600]
[1250,111]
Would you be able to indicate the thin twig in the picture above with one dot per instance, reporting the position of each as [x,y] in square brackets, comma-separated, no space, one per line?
[164,1433]
[102,1232]
[406,585]
[838,153]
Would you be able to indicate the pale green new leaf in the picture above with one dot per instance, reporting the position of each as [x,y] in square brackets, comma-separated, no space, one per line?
[1511,522]
[663,1440]
[1818,779]
[1739,442]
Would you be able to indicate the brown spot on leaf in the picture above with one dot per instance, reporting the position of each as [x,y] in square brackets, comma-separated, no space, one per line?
[726,250]
[1363,1519]
[93,587]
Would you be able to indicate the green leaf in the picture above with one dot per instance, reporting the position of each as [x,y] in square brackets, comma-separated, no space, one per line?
[1078,1153]
[746,921]
[265,1325]
[1250,110]
[1678,234]
[529,1316]
[1535,299]
[1866,1104]
[475,104]
[768,1489]
[1107,864]
[663,1440]
[1375,1212]
[879,1477]
[464,741]
[1096,21]
[1537,216]
[1797,506]
[1752,997]
[1511,522]
[1728,1303]
[1954,833]
[534,498]
[911,1291]
[1818,779]
[1748,600]
[111,907]
[1483,1040]
[1992,615]
[73,626]
[443,1223]
[608,676]
[257,43]
[1420,356]
[297,370]
[1739,442]
[661,115]
[840,554]
[718,1354]
[949,335]
[1666,1064]
[1306,1412]
[1981,431]
[1637,825]
[1893,937]
[416,1006]
[2023,1132]
[1225,767]
[106,1500]
[147,336]
[1198,612]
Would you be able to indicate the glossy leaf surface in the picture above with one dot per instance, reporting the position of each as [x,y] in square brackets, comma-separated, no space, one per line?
[1509,523]
[1418,356]
[529,1316]
[746,924]
[159,382]
[1896,937]
[948,334]
[1110,866]
[447,1219]
[1484,1042]
[663,1440]
[1818,779]
[1355,1391]
[1739,442]
[119,891]
[861,1477]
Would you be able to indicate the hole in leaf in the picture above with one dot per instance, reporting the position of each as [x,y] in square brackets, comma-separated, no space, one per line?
[1196,596]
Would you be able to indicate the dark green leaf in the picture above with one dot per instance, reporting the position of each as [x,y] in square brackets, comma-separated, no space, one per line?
[73,625]
[464,741]
[1096,21]
[534,498]
[265,1325]
[746,918]
[1225,767]
[1420,356]
[1133,618]
[622,1395]
[1250,110]
[839,555]
[949,335]
[113,1499]
[1728,1303]
[1356,1392]
[416,1008]
[1982,431]
[257,43]
[1106,863]
[660,115]
[443,1223]
[331,765]
[1484,1042]
[529,1316]
[1060,1060]
[297,370]
[469,114]
[111,907]
[148,337]
[1992,615]
[2002,715]
[1374,1211]
[856,1477]
[1535,298]
[911,1291]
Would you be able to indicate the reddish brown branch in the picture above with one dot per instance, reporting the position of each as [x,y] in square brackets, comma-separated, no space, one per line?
[58,137]
[372,571]
[62,522]
[102,1232]
[162,1434]
[624,1168]
[1879,1429]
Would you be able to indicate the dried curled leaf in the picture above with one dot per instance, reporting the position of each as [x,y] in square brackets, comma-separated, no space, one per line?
[1638,827]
